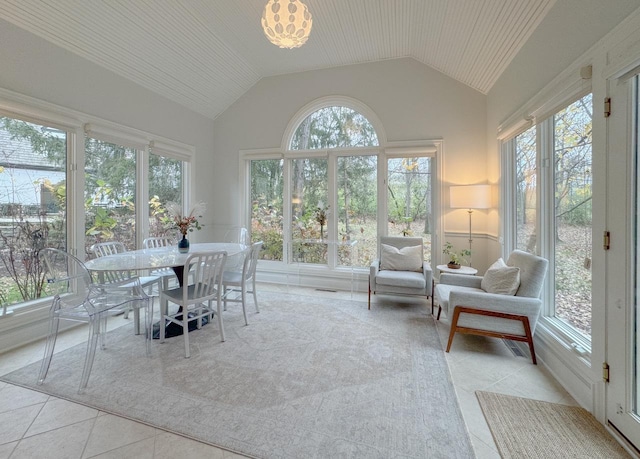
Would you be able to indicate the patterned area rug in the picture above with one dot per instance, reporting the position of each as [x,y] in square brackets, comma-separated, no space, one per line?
[309,377]
[524,428]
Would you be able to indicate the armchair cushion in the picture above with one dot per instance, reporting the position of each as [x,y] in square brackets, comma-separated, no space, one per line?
[442,293]
[521,306]
[401,279]
[401,259]
[501,279]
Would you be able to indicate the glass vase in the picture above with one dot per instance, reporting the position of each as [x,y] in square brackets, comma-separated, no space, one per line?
[183,245]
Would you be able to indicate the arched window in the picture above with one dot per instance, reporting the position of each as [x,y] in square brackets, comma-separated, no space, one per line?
[334,127]
[322,199]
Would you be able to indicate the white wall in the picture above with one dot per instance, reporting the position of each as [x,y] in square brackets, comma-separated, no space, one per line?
[412,101]
[34,67]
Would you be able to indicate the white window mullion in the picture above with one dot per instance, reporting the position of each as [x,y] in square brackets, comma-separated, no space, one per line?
[75,194]
[508,193]
[545,224]
[142,196]
[332,197]
[286,211]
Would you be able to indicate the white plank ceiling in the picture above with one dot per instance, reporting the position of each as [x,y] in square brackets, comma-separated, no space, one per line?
[204,54]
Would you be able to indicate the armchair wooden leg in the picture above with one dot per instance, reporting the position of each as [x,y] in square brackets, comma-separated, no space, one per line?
[527,330]
[369,295]
[528,338]
[439,311]
[454,326]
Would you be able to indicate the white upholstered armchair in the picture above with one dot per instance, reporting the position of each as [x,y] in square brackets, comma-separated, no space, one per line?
[512,314]
[400,268]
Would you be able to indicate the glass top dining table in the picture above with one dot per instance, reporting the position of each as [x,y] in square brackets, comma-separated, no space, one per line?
[159,257]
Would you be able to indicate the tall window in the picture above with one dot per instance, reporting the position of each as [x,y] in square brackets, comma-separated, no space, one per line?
[317,202]
[110,190]
[33,204]
[357,209]
[572,211]
[409,198]
[309,210]
[267,190]
[165,185]
[564,201]
[319,212]
[526,191]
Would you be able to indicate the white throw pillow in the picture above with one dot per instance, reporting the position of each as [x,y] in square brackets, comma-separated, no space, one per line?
[405,259]
[501,279]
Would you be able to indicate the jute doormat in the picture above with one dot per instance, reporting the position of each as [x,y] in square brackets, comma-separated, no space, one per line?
[525,428]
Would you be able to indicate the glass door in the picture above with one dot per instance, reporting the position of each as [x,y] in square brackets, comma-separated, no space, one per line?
[622,265]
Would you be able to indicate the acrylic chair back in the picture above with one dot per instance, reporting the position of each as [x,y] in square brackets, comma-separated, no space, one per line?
[155,280]
[251,261]
[66,277]
[237,235]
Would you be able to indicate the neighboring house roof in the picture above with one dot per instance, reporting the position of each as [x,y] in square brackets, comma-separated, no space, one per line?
[17,153]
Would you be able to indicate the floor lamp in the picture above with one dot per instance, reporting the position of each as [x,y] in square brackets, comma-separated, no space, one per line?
[470,197]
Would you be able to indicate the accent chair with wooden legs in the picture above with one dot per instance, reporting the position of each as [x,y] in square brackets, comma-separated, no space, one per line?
[474,307]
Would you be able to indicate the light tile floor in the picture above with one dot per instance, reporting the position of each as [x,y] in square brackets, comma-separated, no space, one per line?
[34,425]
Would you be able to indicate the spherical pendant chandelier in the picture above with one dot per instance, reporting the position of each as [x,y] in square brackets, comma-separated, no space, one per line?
[286,23]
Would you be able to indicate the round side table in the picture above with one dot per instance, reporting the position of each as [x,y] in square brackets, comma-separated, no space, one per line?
[461,270]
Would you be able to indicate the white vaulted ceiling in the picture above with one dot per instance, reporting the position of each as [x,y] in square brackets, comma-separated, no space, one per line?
[204,54]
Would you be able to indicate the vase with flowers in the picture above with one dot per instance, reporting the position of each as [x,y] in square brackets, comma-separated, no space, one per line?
[184,223]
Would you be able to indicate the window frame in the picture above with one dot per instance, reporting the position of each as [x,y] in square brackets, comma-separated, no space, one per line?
[432,148]
[78,124]
[542,117]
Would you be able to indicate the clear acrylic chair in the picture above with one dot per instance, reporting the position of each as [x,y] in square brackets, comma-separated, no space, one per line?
[240,281]
[77,298]
[102,249]
[238,235]
[196,299]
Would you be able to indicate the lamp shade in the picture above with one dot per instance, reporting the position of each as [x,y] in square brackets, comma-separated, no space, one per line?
[470,197]
[286,23]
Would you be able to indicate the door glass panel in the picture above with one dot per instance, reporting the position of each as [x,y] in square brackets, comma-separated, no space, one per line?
[409,199]
[309,210]
[357,210]
[110,189]
[573,190]
[266,206]
[526,189]
[33,205]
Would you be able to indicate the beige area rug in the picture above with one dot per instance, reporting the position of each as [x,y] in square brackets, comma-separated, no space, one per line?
[308,378]
[524,428]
